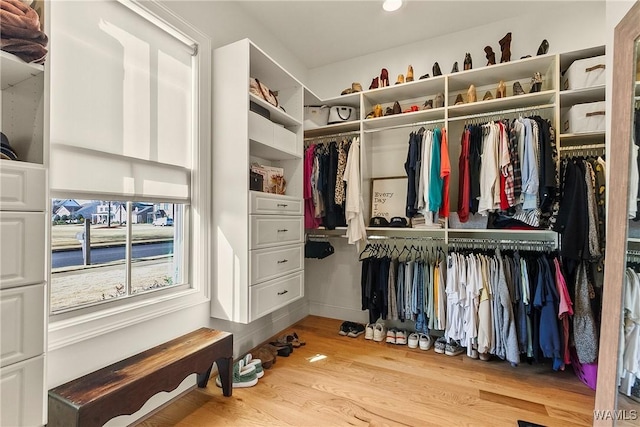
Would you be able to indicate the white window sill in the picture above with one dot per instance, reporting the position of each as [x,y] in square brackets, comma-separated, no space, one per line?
[73,330]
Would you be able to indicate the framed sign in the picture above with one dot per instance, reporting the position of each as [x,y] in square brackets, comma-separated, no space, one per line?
[389,197]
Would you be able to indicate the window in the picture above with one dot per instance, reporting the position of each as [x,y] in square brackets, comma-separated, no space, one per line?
[129,155]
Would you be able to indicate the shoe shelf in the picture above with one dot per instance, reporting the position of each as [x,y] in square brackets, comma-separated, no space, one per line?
[569,139]
[333,129]
[15,70]
[425,88]
[350,100]
[580,96]
[403,119]
[277,115]
[543,98]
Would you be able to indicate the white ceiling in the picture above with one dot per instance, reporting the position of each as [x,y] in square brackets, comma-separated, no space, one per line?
[324,32]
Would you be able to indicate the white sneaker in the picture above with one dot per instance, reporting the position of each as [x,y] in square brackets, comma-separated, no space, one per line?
[425,342]
[391,336]
[413,340]
[379,332]
[401,337]
[368,333]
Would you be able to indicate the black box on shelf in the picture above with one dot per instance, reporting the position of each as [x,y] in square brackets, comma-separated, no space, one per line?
[256,181]
[259,109]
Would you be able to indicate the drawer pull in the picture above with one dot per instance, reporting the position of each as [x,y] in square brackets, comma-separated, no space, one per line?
[284,230]
[283,292]
[283,261]
[282,205]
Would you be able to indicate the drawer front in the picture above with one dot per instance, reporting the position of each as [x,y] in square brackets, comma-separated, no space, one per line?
[22,323]
[22,391]
[285,140]
[270,263]
[260,129]
[23,243]
[274,294]
[265,203]
[269,230]
[22,187]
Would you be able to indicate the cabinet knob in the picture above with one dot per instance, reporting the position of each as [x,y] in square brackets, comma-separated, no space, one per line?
[283,261]
[283,292]
[284,230]
[282,205]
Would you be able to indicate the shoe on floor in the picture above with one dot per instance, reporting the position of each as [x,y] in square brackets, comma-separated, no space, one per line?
[401,337]
[425,342]
[379,332]
[368,332]
[344,328]
[356,330]
[391,336]
[256,363]
[453,349]
[243,376]
[412,342]
[440,344]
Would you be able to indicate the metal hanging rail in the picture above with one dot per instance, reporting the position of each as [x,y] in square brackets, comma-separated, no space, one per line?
[414,124]
[414,238]
[503,112]
[332,136]
[583,147]
[485,243]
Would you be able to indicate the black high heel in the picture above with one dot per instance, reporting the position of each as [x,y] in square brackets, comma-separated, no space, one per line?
[544,47]
[467,62]
[436,69]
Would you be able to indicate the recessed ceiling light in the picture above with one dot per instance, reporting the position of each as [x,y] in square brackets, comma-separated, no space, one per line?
[391,5]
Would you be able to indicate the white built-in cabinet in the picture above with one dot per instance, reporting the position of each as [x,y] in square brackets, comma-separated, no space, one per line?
[257,237]
[22,262]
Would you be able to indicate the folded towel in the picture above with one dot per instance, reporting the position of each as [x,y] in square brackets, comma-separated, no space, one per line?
[26,50]
[8,31]
[18,14]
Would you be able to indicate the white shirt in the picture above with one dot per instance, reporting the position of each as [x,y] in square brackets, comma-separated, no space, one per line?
[356,230]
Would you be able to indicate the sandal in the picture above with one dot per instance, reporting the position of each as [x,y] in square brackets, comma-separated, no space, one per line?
[294,339]
[283,349]
[265,355]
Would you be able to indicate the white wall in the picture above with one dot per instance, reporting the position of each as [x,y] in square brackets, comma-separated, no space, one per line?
[566,25]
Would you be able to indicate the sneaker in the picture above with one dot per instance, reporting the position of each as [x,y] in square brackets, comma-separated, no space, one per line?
[453,349]
[401,337]
[356,330]
[425,342]
[412,342]
[242,376]
[378,332]
[391,336]
[439,346]
[256,363]
[344,328]
[368,332]
[484,356]
[473,354]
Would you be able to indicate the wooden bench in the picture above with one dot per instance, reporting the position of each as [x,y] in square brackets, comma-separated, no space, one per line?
[122,388]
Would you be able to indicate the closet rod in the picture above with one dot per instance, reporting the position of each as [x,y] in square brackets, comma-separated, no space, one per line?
[501,112]
[583,147]
[423,123]
[425,238]
[334,135]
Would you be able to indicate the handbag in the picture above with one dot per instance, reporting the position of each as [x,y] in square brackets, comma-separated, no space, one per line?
[263,92]
[340,114]
[317,249]
[315,116]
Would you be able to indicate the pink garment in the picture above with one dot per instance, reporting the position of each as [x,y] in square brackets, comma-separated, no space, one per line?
[310,220]
[565,310]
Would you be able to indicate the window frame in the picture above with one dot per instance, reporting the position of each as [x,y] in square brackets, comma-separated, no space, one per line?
[85,323]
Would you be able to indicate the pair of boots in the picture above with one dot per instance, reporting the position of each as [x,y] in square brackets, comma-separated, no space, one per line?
[505,47]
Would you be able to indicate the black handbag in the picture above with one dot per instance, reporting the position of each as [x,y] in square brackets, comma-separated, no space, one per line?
[317,249]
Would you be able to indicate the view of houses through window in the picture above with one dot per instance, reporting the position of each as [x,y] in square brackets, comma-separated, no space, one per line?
[104,249]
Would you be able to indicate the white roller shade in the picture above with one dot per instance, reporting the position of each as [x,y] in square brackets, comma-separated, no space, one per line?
[121,104]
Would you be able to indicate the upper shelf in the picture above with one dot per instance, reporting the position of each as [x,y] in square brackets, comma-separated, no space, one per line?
[579,96]
[15,70]
[404,119]
[333,129]
[496,105]
[417,89]
[350,100]
[276,114]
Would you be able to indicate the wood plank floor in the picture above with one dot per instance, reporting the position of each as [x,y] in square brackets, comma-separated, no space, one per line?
[365,383]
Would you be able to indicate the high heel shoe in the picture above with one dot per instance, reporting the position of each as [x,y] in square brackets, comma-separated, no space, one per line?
[544,47]
[517,89]
[455,67]
[458,100]
[377,110]
[471,94]
[491,55]
[400,79]
[424,76]
[384,78]
[436,69]
[536,83]
[409,74]
[428,104]
[502,90]
[439,101]
[487,96]
[374,83]
[505,46]
[396,108]
[467,62]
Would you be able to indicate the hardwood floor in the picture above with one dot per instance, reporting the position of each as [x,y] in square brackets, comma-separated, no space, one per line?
[365,383]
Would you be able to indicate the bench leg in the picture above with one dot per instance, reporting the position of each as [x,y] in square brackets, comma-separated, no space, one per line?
[203,379]
[225,369]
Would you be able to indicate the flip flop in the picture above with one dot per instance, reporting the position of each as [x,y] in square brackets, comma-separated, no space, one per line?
[295,340]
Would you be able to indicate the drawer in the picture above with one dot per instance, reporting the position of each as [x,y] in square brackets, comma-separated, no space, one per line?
[270,230]
[22,248]
[266,203]
[22,186]
[270,263]
[273,135]
[274,294]
[22,323]
[23,393]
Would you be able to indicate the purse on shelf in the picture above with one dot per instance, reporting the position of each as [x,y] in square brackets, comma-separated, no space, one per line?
[339,114]
[263,92]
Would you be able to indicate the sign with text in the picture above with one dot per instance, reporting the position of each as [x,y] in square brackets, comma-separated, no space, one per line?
[389,197]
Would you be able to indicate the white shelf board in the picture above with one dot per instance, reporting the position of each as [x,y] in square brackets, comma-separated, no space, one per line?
[403,119]
[268,71]
[579,96]
[500,104]
[15,70]
[333,129]
[581,138]
[638,88]
[425,88]
[521,69]
[407,232]
[263,151]
[542,235]
[277,115]
[351,100]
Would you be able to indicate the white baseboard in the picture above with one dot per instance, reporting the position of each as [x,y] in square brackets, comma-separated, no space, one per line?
[337,312]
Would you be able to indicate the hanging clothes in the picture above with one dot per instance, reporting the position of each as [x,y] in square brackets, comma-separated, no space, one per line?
[354,205]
